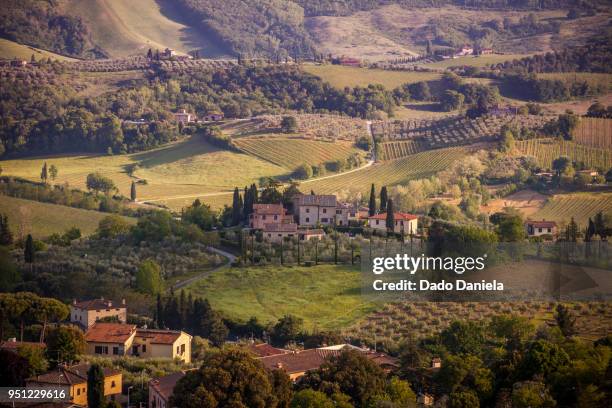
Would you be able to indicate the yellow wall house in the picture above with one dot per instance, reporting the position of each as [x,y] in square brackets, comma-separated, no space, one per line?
[75,377]
[87,312]
[114,339]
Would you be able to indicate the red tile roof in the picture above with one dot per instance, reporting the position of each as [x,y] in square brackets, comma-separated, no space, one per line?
[109,332]
[268,209]
[396,216]
[542,224]
[165,385]
[294,362]
[68,375]
[97,304]
[265,350]
[159,336]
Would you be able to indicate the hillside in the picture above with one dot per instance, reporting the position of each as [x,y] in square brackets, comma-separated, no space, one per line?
[43,219]
[10,49]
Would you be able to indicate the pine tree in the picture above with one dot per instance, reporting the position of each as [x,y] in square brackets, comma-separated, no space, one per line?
[390,221]
[44,174]
[133,192]
[95,387]
[383,199]
[28,253]
[372,206]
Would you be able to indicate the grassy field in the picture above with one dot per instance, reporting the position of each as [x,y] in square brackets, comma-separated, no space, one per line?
[547,150]
[325,296]
[124,28]
[43,219]
[420,165]
[10,50]
[290,153]
[340,76]
[581,206]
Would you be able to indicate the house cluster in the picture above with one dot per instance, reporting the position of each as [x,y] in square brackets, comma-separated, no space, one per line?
[311,212]
[184,117]
[295,363]
[118,338]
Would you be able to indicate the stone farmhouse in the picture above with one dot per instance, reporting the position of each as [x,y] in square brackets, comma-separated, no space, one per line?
[88,312]
[312,210]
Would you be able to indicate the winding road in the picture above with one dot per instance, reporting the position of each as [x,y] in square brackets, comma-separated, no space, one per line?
[230,258]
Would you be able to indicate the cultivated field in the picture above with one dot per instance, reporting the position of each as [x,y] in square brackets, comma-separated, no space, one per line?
[340,76]
[581,206]
[399,149]
[43,219]
[594,132]
[290,153]
[124,28]
[10,50]
[528,202]
[325,296]
[547,150]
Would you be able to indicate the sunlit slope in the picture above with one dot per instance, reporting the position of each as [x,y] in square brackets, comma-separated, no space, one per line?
[124,28]
[10,50]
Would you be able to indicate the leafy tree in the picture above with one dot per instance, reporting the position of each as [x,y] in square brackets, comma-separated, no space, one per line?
[287,329]
[6,235]
[571,231]
[372,204]
[463,399]
[53,172]
[544,358]
[200,215]
[390,221]
[311,399]
[565,320]
[289,124]
[420,91]
[95,387]
[532,394]
[400,393]
[65,344]
[451,100]
[561,164]
[303,172]
[148,277]
[507,143]
[98,183]
[511,227]
[112,226]
[228,378]
[35,356]
[350,373]
[283,388]
[463,337]
[28,253]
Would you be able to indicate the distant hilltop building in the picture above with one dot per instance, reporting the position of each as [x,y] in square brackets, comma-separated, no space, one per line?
[184,117]
[539,228]
[214,116]
[87,312]
[465,50]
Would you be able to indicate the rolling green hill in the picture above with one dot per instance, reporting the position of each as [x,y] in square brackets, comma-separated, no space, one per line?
[10,49]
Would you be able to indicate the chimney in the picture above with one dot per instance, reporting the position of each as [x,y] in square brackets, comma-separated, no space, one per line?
[123,302]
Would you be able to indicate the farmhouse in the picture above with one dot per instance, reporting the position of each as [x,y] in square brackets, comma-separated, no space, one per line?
[486,51]
[311,209]
[345,214]
[87,312]
[268,214]
[465,50]
[183,117]
[213,116]
[160,389]
[308,234]
[276,233]
[75,377]
[539,228]
[404,223]
[115,339]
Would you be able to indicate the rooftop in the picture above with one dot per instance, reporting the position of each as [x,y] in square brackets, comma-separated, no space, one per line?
[320,200]
[109,332]
[165,385]
[97,304]
[265,350]
[542,224]
[68,375]
[159,336]
[396,216]
[268,209]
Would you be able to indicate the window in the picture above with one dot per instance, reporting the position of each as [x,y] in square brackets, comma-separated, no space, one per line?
[539,229]
[264,217]
[115,350]
[324,220]
[144,348]
[325,211]
[338,211]
[113,385]
[280,235]
[307,210]
[275,217]
[549,230]
[101,350]
[307,219]
[376,222]
[182,349]
[178,349]
[78,391]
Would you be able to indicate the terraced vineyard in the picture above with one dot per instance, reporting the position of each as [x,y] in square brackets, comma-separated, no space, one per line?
[547,150]
[581,206]
[594,132]
[452,131]
[290,153]
[420,165]
[398,149]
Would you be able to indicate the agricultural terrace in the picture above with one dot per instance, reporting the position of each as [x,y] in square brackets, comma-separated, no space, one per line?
[581,206]
[416,166]
[43,219]
[547,150]
[341,76]
[452,131]
[290,153]
[309,126]
[594,132]
[325,296]
[399,149]
[11,50]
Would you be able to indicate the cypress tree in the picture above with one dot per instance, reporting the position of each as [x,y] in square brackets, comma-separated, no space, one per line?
[383,199]
[236,207]
[245,205]
[390,222]
[28,253]
[372,206]
[95,387]
[6,236]
[44,174]
[133,191]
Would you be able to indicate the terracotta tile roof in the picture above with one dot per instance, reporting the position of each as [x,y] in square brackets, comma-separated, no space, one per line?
[265,350]
[320,200]
[159,336]
[97,304]
[396,216]
[283,227]
[164,386]
[268,209]
[314,231]
[542,224]
[109,332]
[13,345]
[294,362]
[68,375]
